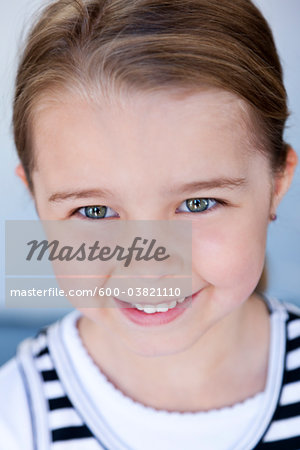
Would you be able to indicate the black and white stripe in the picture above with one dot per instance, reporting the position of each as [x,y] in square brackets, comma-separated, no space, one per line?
[283,431]
[65,423]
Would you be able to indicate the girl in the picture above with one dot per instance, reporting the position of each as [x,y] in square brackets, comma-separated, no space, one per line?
[150,110]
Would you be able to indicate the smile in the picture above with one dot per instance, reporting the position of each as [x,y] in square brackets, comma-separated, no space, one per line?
[154,315]
[162,307]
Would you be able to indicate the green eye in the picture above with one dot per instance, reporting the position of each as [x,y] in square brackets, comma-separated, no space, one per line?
[197,204]
[95,212]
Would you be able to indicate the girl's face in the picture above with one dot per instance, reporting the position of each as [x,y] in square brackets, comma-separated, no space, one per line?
[144,150]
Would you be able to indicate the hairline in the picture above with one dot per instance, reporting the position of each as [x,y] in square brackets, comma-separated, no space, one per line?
[114,93]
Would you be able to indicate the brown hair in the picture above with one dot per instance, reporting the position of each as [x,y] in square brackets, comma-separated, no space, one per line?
[150,45]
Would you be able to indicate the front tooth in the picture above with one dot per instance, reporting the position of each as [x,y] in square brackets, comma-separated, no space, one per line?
[149,309]
[162,305]
[160,308]
[138,306]
[172,304]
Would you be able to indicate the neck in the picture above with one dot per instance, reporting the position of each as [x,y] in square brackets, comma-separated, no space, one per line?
[226,365]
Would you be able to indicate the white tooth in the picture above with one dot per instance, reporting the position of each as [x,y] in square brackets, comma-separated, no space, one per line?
[172,304]
[149,310]
[137,306]
[162,305]
[160,309]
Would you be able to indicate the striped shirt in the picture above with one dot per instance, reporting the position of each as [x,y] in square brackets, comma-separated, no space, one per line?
[63,417]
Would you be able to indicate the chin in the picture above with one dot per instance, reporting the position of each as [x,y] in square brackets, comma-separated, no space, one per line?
[160,347]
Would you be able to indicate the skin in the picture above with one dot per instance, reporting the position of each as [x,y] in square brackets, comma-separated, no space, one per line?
[216,353]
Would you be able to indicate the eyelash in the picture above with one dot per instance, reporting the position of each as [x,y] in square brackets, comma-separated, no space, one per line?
[218,203]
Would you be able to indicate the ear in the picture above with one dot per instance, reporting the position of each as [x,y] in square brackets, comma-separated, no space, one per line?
[20,172]
[283,181]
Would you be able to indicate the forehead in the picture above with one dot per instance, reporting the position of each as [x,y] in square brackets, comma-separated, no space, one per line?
[210,128]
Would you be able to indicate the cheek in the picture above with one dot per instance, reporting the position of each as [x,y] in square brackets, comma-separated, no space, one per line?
[96,315]
[229,255]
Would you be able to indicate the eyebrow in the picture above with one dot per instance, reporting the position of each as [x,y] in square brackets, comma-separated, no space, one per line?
[215,183]
[74,195]
[228,183]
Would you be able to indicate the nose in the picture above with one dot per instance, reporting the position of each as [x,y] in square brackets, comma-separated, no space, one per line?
[157,259]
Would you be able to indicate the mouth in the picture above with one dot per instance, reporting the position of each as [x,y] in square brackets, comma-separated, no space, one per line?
[162,313]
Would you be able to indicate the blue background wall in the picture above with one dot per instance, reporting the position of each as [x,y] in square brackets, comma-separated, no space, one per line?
[283,247]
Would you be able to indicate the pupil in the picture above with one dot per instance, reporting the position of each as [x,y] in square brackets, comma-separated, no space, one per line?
[197,204]
[95,212]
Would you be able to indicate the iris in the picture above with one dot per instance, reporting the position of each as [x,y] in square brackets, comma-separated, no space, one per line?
[197,204]
[95,212]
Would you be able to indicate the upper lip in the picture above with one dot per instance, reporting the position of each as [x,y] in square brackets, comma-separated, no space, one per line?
[163,300]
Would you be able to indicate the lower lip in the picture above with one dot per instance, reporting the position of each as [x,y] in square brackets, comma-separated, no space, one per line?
[159,318]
